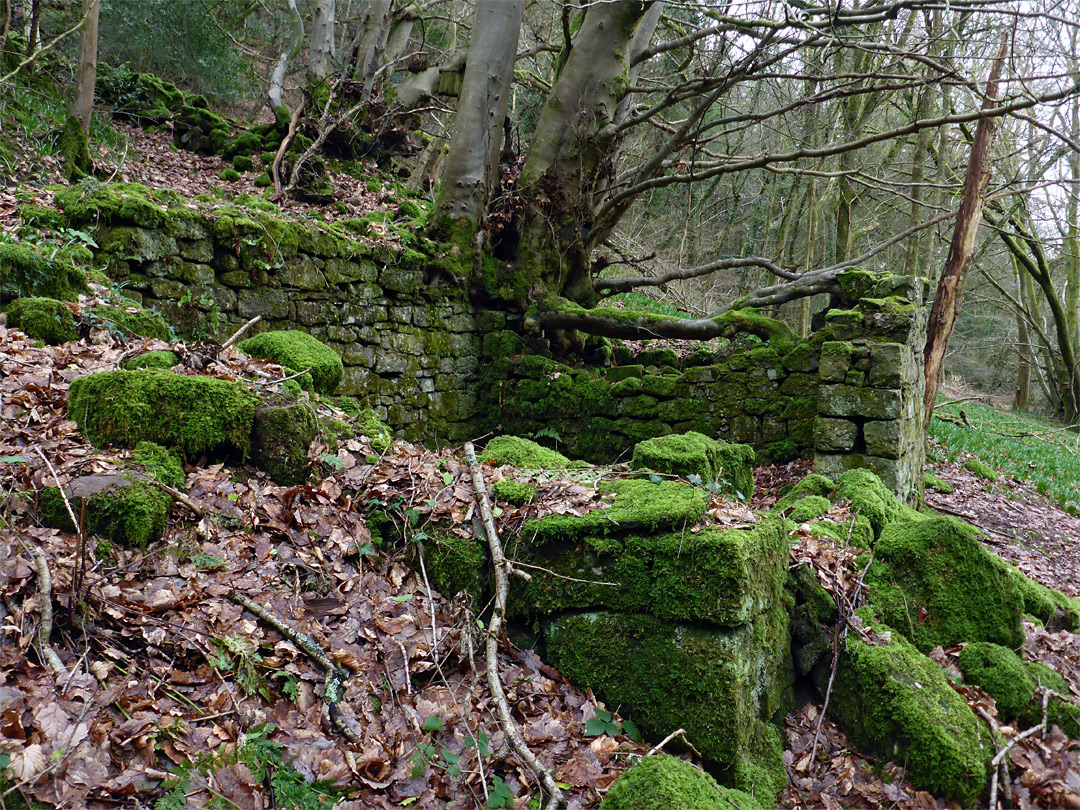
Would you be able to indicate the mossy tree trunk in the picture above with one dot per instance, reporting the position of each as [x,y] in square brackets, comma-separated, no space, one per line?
[86,71]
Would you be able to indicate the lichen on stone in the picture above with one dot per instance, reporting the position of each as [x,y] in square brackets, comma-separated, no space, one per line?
[299,352]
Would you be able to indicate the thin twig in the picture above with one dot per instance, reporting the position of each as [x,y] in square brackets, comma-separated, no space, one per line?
[502,587]
[999,757]
[179,497]
[679,732]
[239,333]
[45,626]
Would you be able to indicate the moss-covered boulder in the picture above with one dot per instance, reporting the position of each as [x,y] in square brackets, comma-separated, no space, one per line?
[299,351]
[714,576]
[694,453]
[454,564]
[524,454]
[981,469]
[934,582]
[25,271]
[1051,607]
[893,700]
[662,782]
[119,506]
[160,463]
[813,618]
[1001,673]
[194,414]
[159,359]
[133,321]
[283,431]
[44,319]
[721,685]
[1060,710]
[872,499]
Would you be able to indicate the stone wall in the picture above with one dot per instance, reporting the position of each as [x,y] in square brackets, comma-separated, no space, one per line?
[435,367]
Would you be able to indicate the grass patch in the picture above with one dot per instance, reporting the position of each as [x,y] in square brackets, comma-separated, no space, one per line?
[1029,448]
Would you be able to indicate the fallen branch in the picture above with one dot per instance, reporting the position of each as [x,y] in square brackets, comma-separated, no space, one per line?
[275,167]
[1000,755]
[239,333]
[45,650]
[80,552]
[179,497]
[335,675]
[502,568]
[679,732]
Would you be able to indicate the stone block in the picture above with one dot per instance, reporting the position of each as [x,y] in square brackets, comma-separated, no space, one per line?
[888,366]
[883,438]
[835,361]
[302,273]
[834,435]
[196,250]
[847,401]
[270,302]
[195,273]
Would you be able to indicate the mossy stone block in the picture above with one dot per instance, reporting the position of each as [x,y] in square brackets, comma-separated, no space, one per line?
[119,506]
[44,319]
[718,577]
[1051,607]
[657,357]
[160,463]
[513,492]
[299,351]
[849,400]
[624,372]
[886,365]
[523,453]
[1001,673]
[133,321]
[194,414]
[835,360]
[160,359]
[895,701]
[933,581]
[694,453]
[454,564]
[283,431]
[717,684]
[834,435]
[662,782]
[26,272]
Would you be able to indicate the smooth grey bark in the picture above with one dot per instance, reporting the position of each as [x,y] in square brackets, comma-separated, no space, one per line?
[472,165]
[323,49]
[296,41]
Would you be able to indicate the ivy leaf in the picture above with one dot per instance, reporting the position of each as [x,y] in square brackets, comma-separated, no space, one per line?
[656,479]
[12,460]
[694,479]
[405,597]
[433,723]
[631,730]
[447,478]
[334,461]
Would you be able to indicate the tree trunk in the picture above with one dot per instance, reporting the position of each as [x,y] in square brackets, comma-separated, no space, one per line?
[950,287]
[296,42]
[1023,370]
[86,72]
[323,49]
[471,167]
[34,26]
[571,145]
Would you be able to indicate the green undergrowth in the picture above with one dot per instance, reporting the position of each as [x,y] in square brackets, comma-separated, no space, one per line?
[1026,447]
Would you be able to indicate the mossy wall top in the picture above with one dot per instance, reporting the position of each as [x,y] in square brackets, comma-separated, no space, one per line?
[410,351]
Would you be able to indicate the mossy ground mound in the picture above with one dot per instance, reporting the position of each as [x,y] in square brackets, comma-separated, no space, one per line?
[718,684]
[160,359]
[1051,607]
[895,701]
[133,322]
[524,454]
[24,271]
[121,507]
[299,351]
[1060,710]
[662,782]
[517,493]
[44,319]
[369,425]
[194,414]
[1001,673]
[283,431]
[694,453]
[934,582]
[455,564]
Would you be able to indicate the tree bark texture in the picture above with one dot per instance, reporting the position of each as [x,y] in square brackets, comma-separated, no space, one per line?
[86,72]
[323,50]
[950,287]
[296,41]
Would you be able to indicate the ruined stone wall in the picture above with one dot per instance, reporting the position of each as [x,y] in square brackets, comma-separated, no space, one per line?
[436,368]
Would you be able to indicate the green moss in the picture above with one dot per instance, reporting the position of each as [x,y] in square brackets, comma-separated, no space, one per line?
[696,454]
[282,433]
[121,509]
[115,204]
[139,323]
[809,508]
[981,469]
[870,497]
[778,334]
[1060,711]
[194,414]
[263,180]
[162,359]
[717,684]
[43,319]
[75,150]
[714,576]
[523,454]
[934,581]
[933,482]
[370,425]
[299,351]
[662,782]
[895,701]
[813,484]
[517,493]
[160,463]
[243,163]
[1001,673]
[856,532]
[455,564]
[635,505]
[813,617]
[334,430]
[1053,609]
[229,175]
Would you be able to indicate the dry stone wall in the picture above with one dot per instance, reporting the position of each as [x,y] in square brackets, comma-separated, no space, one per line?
[435,367]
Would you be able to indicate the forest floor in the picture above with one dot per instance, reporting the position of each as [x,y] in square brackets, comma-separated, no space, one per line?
[174,684]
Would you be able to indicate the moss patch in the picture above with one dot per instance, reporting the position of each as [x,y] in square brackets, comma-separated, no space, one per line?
[1054,609]
[159,463]
[120,507]
[694,453]
[368,424]
[455,564]
[870,497]
[161,359]
[517,493]
[933,482]
[1060,711]
[299,351]
[137,322]
[662,782]
[26,272]
[897,702]
[981,469]
[283,431]
[523,454]
[194,414]
[934,582]
[43,319]
[1000,672]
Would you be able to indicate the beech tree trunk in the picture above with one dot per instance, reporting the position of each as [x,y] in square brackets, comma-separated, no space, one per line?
[323,50]
[296,42]
[950,287]
[472,165]
[86,72]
